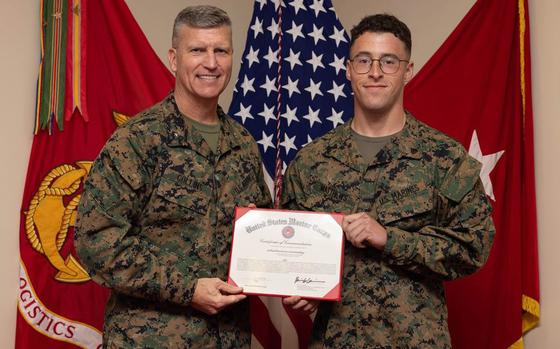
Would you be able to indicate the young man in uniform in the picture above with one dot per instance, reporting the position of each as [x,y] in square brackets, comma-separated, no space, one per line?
[416,211]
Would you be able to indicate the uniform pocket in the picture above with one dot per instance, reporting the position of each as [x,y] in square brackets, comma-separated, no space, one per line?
[186,191]
[405,195]
[410,205]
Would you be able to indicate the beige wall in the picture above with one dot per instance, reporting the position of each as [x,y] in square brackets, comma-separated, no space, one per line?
[545,15]
[19,21]
[19,54]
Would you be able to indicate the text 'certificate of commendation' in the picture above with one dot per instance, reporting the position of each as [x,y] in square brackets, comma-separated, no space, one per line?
[287,253]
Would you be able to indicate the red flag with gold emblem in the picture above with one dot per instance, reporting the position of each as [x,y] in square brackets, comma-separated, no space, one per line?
[96,68]
[477,88]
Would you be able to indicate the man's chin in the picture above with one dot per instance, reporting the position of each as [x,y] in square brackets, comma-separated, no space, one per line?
[209,94]
[375,107]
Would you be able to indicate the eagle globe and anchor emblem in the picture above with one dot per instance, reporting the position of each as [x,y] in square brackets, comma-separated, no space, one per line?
[288,232]
[48,218]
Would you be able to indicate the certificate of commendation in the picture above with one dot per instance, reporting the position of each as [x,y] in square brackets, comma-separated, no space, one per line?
[287,253]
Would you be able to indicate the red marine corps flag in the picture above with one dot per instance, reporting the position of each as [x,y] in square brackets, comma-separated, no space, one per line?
[477,88]
[96,67]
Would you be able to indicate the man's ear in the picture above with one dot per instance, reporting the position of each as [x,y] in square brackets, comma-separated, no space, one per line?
[172,57]
[409,74]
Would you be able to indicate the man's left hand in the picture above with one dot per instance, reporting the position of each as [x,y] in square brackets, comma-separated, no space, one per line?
[362,231]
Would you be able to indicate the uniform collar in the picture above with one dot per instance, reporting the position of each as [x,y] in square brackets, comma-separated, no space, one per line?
[181,133]
[407,143]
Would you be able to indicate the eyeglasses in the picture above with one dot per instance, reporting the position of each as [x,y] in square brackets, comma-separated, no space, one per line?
[389,64]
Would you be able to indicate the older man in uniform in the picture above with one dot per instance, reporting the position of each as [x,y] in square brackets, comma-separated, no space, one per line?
[155,219]
[416,211]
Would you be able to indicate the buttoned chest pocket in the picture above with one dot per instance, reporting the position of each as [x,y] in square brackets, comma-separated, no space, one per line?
[408,213]
[239,185]
[326,191]
[184,194]
[406,200]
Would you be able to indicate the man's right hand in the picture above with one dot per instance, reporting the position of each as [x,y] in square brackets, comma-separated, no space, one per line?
[213,295]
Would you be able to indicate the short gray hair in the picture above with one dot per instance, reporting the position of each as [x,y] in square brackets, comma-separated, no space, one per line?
[202,16]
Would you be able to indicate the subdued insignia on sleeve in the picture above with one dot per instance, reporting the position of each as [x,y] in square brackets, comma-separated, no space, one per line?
[461,179]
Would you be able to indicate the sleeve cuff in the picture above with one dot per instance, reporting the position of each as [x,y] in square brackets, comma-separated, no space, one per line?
[401,245]
[181,286]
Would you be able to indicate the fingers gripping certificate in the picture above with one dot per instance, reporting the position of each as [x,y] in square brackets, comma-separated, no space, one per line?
[287,253]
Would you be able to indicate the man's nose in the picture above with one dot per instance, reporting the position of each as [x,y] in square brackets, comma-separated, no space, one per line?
[375,70]
[210,60]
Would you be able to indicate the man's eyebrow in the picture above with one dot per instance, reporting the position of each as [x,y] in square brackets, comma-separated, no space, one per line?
[363,53]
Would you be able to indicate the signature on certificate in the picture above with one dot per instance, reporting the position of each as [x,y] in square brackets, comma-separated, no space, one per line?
[305,280]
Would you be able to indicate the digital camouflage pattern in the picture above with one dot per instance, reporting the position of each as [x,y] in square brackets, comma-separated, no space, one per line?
[156,214]
[425,190]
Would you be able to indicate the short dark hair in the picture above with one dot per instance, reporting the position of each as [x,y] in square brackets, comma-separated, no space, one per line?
[202,16]
[383,23]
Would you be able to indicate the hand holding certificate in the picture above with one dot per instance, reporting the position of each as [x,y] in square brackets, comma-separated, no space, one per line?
[287,253]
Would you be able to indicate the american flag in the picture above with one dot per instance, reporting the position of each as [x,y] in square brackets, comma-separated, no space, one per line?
[291,89]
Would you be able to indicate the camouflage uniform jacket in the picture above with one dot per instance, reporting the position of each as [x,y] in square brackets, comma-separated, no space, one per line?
[425,190]
[156,214]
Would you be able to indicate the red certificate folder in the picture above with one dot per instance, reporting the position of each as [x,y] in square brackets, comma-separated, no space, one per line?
[287,253]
